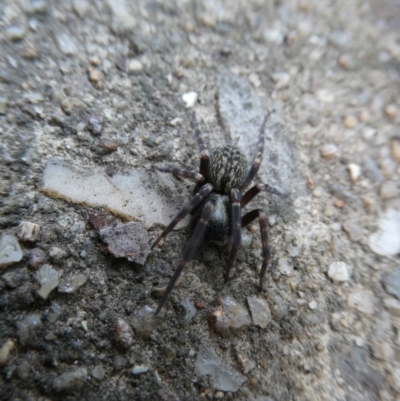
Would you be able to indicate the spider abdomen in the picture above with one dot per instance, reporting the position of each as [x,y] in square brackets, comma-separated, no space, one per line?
[227,168]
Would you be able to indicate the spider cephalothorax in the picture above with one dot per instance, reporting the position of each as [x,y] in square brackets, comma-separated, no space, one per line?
[217,202]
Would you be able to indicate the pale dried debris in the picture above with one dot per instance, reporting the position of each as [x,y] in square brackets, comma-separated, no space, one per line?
[48,279]
[228,317]
[5,351]
[96,189]
[354,171]
[190,99]
[260,311]
[10,251]
[339,272]
[386,241]
[28,231]
[207,363]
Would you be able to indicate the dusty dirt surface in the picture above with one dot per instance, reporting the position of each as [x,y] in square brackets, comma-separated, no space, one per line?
[101,84]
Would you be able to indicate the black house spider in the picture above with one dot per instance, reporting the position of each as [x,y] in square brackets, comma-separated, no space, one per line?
[217,203]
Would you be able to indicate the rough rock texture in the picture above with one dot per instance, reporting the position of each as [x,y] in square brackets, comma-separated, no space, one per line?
[100,85]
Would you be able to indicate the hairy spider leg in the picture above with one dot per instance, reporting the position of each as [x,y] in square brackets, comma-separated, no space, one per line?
[262,218]
[259,156]
[253,191]
[180,172]
[190,249]
[204,191]
[236,238]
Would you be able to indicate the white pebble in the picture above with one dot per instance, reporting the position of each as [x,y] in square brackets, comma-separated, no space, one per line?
[281,79]
[284,267]
[135,65]
[386,241]
[313,305]
[137,370]
[10,251]
[5,350]
[28,231]
[260,311]
[362,300]
[338,272]
[175,121]
[189,98]
[354,170]
[48,279]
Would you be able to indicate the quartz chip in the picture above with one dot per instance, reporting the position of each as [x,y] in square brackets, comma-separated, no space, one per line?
[207,363]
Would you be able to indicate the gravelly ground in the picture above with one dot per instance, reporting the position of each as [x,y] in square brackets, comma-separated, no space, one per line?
[330,70]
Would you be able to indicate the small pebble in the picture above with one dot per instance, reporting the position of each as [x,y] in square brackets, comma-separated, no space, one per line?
[95,125]
[281,79]
[190,311]
[386,240]
[247,364]
[123,333]
[93,75]
[350,121]
[71,284]
[66,44]
[15,32]
[10,251]
[284,267]
[57,253]
[389,190]
[106,147]
[354,171]
[391,282]
[346,61]
[135,65]
[48,279]
[189,98]
[225,51]
[260,311]
[329,151]
[5,351]
[339,272]
[394,145]
[313,305]
[138,369]
[339,204]
[36,258]
[391,111]
[361,300]
[27,328]
[254,79]
[98,372]
[392,305]
[317,192]
[28,231]
[353,230]
[81,7]
[228,317]
[219,395]
[70,380]
[174,122]
[143,321]
[84,326]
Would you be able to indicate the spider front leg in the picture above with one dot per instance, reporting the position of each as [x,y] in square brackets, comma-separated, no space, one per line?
[236,237]
[180,172]
[195,201]
[262,218]
[190,249]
